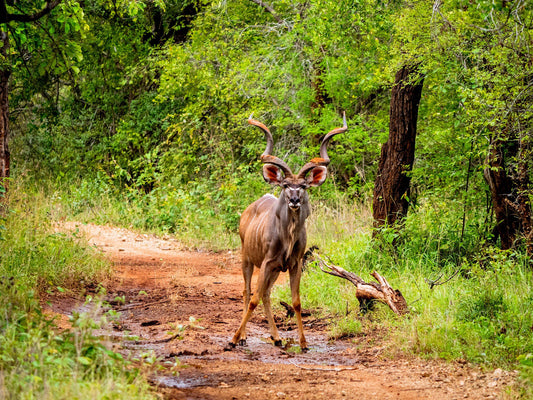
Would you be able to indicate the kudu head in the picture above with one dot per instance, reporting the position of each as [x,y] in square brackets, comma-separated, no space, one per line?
[294,186]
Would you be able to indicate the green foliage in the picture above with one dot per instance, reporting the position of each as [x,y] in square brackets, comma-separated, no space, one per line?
[41,52]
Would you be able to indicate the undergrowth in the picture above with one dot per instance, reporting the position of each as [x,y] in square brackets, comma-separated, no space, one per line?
[37,360]
[466,301]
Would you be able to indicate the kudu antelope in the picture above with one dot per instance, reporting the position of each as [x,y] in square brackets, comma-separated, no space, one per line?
[273,232]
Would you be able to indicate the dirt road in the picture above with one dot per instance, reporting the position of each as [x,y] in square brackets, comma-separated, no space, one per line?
[184,306]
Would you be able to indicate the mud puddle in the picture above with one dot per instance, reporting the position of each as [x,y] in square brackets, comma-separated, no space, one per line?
[182,307]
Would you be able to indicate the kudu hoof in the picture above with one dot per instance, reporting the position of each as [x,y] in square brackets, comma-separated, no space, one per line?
[230,346]
[242,342]
[277,343]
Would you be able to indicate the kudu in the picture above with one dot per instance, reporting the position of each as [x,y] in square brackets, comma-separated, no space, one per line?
[273,234]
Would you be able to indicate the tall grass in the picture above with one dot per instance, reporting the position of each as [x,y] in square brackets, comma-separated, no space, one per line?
[37,361]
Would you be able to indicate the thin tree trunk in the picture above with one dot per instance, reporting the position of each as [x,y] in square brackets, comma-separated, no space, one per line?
[5,72]
[391,189]
[524,192]
[502,192]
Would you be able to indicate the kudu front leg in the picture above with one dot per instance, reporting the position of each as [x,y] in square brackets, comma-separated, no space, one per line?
[240,334]
[265,280]
[268,310]
[247,272]
[295,275]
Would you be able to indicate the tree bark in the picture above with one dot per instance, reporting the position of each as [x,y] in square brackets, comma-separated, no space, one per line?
[5,72]
[392,186]
[509,190]
[500,185]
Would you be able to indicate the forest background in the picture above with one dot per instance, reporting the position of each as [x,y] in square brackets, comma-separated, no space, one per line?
[133,113]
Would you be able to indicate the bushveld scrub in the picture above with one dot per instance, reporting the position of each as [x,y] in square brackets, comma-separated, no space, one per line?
[482,314]
[36,360]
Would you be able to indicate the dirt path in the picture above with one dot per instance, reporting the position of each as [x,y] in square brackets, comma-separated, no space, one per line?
[186,305]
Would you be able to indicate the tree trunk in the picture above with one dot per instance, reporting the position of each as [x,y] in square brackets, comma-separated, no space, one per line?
[5,72]
[391,189]
[509,190]
[524,193]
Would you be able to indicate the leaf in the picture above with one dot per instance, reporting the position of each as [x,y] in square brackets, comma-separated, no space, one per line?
[84,360]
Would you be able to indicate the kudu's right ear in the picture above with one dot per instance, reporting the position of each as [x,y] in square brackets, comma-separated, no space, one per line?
[317,176]
[272,174]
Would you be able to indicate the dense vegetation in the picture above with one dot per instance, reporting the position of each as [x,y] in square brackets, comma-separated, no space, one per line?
[134,113]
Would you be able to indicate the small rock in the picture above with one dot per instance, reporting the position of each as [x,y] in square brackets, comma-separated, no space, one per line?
[281,394]
[497,372]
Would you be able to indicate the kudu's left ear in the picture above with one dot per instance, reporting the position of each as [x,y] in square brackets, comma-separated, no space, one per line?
[272,174]
[317,176]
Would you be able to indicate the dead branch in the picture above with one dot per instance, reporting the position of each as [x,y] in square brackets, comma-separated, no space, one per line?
[366,291]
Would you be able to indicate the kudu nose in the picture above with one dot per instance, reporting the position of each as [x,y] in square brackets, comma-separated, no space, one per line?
[294,202]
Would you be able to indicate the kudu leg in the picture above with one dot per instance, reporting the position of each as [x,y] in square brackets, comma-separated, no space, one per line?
[295,275]
[268,310]
[262,281]
[247,272]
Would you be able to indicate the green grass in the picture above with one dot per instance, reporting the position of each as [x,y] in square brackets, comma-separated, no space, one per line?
[37,361]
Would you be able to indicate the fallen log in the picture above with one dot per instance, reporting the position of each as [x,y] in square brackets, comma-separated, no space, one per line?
[368,291]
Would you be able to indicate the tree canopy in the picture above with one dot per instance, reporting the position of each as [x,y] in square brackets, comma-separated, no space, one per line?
[155,93]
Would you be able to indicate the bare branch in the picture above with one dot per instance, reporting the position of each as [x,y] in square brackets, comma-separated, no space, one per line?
[7,17]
